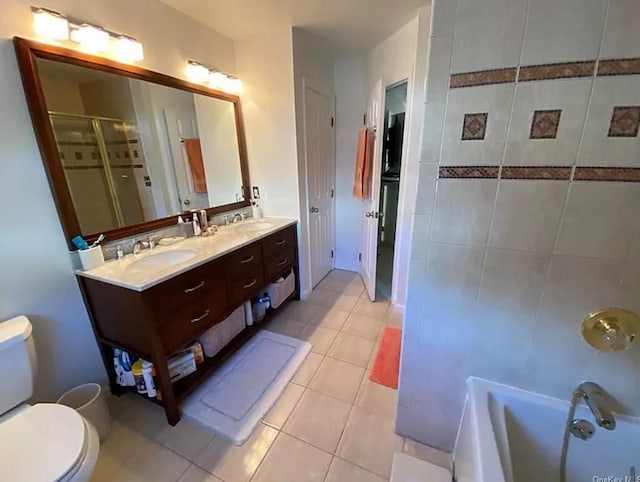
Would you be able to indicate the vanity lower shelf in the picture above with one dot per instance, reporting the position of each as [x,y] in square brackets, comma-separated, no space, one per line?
[155,323]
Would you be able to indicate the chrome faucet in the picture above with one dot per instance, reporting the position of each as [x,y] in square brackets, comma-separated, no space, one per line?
[140,244]
[596,399]
[237,217]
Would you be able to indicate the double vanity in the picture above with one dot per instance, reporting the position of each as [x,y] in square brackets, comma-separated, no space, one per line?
[155,151]
[155,303]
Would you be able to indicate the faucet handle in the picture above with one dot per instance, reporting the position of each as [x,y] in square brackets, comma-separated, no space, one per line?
[243,215]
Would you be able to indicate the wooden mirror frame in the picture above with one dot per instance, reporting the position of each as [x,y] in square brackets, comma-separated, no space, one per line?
[28,51]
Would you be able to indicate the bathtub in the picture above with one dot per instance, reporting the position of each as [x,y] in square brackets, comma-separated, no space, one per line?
[511,435]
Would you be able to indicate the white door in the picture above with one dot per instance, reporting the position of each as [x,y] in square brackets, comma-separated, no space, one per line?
[370,214]
[319,145]
[183,124]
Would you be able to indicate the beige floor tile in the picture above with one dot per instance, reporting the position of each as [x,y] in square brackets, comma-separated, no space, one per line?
[285,326]
[187,438]
[337,379]
[343,471]
[343,275]
[320,338]
[301,311]
[363,326]
[352,349]
[196,474]
[378,399]
[374,309]
[369,441]
[291,460]
[394,319]
[279,413]
[116,450]
[318,420]
[428,454]
[332,319]
[234,463]
[308,368]
[151,461]
[344,302]
[142,415]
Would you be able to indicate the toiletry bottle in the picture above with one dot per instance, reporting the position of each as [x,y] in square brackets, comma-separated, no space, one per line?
[204,220]
[256,210]
[147,374]
[196,225]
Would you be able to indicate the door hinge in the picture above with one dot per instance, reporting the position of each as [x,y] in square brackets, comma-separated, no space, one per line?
[332,253]
[364,119]
[332,122]
[359,256]
[332,193]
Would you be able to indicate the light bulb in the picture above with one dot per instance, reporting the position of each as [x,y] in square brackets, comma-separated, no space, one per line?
[50,25]
[234,85]
[127,49]
[217,80]
[91,38]
[197,72]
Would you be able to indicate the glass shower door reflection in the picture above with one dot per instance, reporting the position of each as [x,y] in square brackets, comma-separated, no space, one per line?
[85,173]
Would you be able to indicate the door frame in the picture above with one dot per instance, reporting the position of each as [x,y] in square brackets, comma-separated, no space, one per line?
[306,225]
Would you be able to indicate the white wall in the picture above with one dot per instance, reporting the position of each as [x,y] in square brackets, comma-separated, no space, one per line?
[36,278]
[504,270]
[393,61]
[312,68]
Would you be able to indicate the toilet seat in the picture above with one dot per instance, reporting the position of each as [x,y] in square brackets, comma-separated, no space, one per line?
[43,442]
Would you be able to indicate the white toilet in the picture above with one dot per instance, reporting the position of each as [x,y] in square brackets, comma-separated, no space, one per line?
[44,442]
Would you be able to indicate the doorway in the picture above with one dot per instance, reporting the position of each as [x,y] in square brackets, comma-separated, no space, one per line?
[392,149]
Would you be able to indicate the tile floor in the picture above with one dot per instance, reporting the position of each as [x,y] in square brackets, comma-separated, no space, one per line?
[330,424]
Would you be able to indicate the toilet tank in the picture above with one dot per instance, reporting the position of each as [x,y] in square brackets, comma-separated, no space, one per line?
[17,363]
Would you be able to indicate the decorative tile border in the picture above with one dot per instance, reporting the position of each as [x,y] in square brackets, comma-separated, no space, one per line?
[545,173]
[620,174]
[619,67]
[550,173]
[484,77]
[557,71]
[468,172]
[564,70]
[545,124]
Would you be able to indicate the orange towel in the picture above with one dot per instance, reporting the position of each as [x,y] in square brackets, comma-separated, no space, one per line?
[196,165]
[364,160]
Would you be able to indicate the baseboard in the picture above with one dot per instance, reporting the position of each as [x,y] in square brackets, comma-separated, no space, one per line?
[398,308]
[305,293]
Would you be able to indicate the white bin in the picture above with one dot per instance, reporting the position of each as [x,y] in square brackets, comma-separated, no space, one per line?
[89,401]
[281,289]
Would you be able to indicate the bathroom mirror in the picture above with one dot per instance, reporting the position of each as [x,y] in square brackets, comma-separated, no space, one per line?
[126,149]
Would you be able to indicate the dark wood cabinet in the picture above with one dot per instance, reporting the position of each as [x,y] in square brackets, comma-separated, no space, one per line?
[159,321]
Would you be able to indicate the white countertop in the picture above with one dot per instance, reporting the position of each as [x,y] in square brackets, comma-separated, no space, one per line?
[121,273]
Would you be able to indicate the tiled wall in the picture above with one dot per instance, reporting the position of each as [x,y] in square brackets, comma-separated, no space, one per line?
[528,210]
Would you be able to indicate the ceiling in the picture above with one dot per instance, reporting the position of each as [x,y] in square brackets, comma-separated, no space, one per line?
[345,27]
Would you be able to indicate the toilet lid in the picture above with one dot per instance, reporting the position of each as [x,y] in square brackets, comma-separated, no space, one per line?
[42,442]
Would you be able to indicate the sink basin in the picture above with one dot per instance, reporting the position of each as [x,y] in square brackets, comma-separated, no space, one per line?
[253,226]
[163,259]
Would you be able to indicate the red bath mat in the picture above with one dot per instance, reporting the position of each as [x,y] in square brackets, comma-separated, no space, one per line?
[387,363]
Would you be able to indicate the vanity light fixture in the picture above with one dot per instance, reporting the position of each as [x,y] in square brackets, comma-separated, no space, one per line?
[91,38]
[198,73]
[128,49]
[49,24]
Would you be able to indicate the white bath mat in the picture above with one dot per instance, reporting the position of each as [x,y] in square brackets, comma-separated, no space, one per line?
[236,398]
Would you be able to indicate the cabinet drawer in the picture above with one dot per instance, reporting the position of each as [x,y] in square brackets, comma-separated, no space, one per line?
[282,240]
[279,264]
[185,288]
[243,287]
[244,261]
[188,322]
